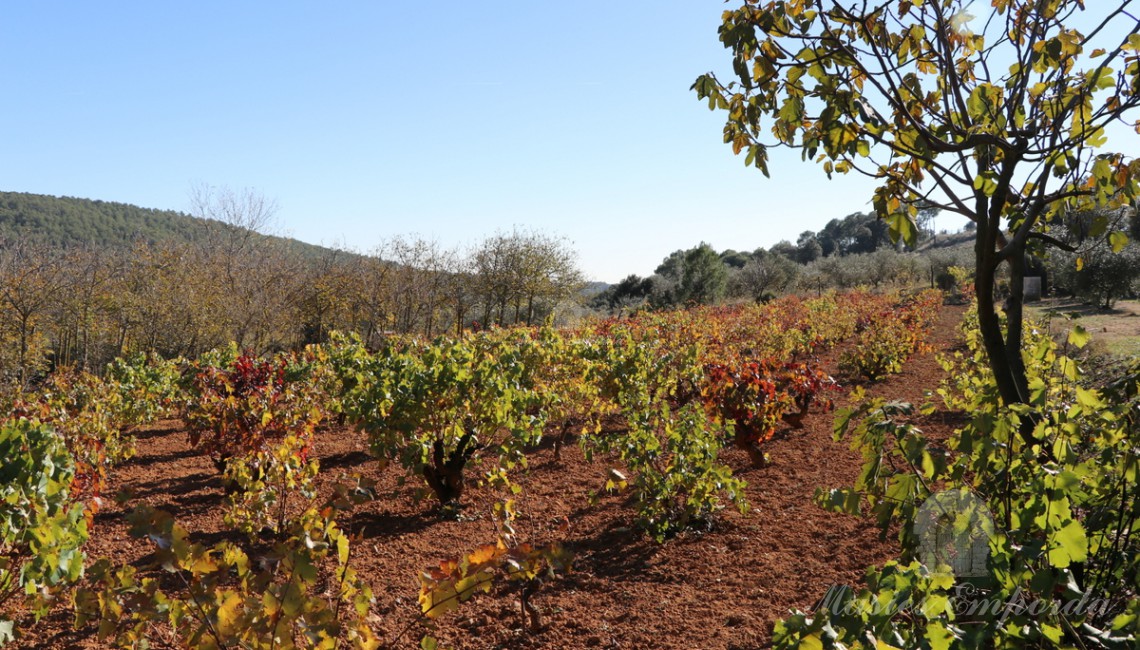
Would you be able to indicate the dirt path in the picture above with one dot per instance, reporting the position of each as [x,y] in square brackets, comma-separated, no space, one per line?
[720,589]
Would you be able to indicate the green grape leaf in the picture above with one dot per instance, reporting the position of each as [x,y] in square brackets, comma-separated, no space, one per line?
[1068,544]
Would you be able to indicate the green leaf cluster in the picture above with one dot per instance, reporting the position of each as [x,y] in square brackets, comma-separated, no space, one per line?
[224,596]
[434,406]
[42,528]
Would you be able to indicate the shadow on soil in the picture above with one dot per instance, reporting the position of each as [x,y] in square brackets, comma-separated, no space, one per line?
[371,525]
[156,432]
[183,485]
[160,458]
[618,552]
[346,460]
[1076,309]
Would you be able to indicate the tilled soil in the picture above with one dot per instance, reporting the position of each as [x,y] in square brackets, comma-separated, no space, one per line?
[721,588]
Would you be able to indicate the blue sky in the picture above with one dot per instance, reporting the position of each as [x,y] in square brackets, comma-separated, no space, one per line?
[367,120]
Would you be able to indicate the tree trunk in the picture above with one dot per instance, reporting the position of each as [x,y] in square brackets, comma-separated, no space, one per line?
[1003,349]
[986,263]
[24,334]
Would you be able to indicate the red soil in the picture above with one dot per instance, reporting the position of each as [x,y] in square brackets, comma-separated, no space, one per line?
[718,589]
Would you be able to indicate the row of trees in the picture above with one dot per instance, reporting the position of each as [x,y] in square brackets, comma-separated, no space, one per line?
[701,275]
[857,233]
[1087,265]
[856,251]
[82,306]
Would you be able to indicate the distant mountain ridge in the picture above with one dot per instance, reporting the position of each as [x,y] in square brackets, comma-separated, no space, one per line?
[70,221]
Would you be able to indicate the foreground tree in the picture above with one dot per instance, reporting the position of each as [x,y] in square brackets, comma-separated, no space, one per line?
[1000,118]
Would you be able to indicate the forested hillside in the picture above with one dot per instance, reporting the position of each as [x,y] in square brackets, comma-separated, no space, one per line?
[83,282]
[69,221]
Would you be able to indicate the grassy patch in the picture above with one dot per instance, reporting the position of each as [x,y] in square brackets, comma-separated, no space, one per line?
[1115,331]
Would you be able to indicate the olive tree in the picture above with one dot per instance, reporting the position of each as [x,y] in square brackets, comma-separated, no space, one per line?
[1102,276]
[1000,117]
[1094,270]
[766,274]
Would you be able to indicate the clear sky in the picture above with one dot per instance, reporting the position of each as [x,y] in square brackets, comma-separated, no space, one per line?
[370,119]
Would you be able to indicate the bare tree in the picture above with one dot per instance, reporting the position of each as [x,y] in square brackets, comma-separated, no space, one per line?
[32,279]
[256,272]
[523,276]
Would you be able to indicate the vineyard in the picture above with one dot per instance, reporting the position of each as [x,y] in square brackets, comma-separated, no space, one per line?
[217,437]
[665,480]
[234,501]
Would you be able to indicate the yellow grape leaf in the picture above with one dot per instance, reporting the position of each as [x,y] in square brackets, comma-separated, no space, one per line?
[438,601]
[1118,241]
[179,545]
[227,614]
[1069,544]
[1079,336]
[812,642]
[342,549]
[1089,399]
[938,636]
[292,603]
[203,564]
[483,555]
[270,604]
[466,588]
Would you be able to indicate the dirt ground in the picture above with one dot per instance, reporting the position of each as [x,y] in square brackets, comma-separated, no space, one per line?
[1115,331]
[718,589]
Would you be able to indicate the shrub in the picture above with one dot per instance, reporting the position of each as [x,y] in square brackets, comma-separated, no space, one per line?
[434,406]
[257,418]
[241,408]
[887,338]
[42,527]
[146,386]
[678,482]
[226,598]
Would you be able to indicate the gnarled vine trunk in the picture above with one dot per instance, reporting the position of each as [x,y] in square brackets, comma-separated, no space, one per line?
[444,475]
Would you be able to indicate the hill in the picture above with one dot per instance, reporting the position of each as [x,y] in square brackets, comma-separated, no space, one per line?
[70,221]
[948,240]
